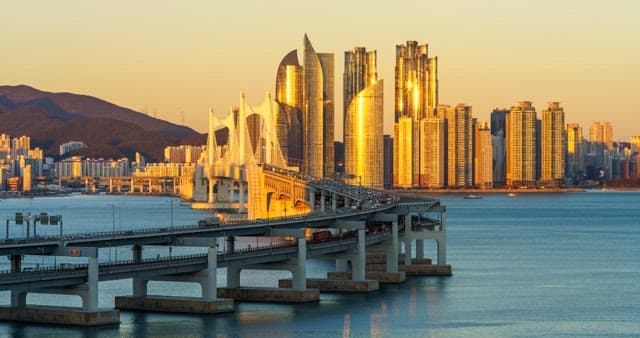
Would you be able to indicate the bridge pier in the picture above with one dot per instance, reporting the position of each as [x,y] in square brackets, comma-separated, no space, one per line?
[295,291]
[334,201]
[209,303]
[88,315]
[419,232]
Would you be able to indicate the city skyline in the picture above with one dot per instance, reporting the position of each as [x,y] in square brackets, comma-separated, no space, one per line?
[577,53]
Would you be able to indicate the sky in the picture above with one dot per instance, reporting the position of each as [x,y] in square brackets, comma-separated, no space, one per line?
[176,59]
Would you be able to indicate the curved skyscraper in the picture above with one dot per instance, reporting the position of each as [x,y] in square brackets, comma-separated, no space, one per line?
[289,115]
[363,119]
[305,96]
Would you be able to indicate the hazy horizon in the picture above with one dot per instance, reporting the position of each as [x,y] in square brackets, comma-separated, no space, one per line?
[165,58]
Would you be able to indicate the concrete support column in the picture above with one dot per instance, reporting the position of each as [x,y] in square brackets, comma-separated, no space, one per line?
[299,272]
[139,284]
[322,198]
[211,182]
[407,252]
[334,201]
[233,276]
[347,203]
[358,265]
[341,265]
[91,301]
[231,244]
[18,299]
[420,248]
[392,251]
[16,263]
[210,286]
[442,251]
[312,199]
[241,196]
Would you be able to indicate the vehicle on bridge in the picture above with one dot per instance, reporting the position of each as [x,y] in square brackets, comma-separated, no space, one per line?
[209,222]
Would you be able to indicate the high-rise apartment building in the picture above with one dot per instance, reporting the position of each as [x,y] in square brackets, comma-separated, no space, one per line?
[305,122]
[601,136]
[483,156]
[552,144]
[459,147]
[416,98]
[575,151]
[520,145]
[363,119]
[432,147]
[498,121]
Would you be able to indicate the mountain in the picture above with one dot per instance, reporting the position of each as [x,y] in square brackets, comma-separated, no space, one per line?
[51,119]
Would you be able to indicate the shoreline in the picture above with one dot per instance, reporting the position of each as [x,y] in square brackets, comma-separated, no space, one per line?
[492,191]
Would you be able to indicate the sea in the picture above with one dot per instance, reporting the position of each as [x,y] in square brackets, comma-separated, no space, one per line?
[534,265]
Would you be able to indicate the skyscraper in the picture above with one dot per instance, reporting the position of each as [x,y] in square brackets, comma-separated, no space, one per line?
[363,118]
[552,144]
[459,147]
[317,112]
[575,151]
[289,98]
[520,145]
[432,147]
[600,147]
[416,98]
[305,97]
[483,156]
[498,132]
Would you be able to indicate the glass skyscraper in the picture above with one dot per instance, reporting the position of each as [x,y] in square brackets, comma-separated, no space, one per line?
[416,98]
[305,97]
[363,119]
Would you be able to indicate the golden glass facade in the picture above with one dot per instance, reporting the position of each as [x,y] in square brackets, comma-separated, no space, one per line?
[459,147]
[520,145]
[575,150]
[402,152]
[553,144]
[363,119]
[431,146]
[317,112]
[416,98]
[289,98]
[483,156]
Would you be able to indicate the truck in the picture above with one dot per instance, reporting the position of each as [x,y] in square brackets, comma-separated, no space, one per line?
[209,222]
[321,236]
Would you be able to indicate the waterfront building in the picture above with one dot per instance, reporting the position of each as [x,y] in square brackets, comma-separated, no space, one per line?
[363,119]
[575,152]
[635,143]
[520,145]
[483,156]
[305,109]
[498,121]
[318,111]
[552,144]
[434,133]
[601,147]
[416,98]
[182,154]
[601,136]
[459,147]
[78,167]
[289,98]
